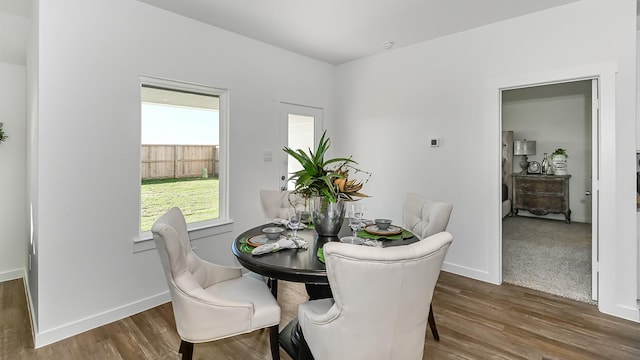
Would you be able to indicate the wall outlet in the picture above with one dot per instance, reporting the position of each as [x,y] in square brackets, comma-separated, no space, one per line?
[435,142]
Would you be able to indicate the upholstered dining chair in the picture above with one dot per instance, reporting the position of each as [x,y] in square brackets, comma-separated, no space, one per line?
[210,301]
[276,203]
[378,309]
[425,217]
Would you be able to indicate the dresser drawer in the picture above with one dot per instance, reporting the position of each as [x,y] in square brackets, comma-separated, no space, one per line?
[540,202]
[540,185]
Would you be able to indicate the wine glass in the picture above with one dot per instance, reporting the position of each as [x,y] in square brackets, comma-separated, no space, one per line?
[355,220]
[354,223]
[294,222]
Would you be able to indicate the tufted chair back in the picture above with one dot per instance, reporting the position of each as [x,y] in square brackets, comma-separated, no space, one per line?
[275,203]
[380,301]
[425,217]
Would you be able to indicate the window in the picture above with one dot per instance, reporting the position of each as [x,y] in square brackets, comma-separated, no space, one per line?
[182,152]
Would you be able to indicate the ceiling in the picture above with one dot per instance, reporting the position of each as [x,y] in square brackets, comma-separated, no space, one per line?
[334,31]
[338,31]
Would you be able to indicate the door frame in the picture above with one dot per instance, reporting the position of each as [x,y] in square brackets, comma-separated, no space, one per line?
[605,73]
[593,169]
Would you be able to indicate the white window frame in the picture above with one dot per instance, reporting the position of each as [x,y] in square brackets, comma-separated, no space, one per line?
[223,223]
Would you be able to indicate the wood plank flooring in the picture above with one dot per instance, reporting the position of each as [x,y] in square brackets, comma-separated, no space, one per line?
[476,320]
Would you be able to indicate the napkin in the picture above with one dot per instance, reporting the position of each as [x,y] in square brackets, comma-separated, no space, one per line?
[287,243]
[285,222]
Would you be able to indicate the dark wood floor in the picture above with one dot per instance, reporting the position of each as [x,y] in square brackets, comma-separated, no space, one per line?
[476,321]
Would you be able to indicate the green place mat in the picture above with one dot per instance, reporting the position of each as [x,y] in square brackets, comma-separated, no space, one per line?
[320,254]
[244,247]
[404,235]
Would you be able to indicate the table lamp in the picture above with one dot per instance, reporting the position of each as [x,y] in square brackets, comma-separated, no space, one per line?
[524,148]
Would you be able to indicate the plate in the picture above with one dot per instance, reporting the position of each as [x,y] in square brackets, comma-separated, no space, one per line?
[391,230]
[352,240]
[261,239]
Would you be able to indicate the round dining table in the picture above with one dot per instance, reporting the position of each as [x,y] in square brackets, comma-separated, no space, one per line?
[296,265]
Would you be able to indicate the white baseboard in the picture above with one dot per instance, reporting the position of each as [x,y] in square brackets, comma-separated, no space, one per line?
[50,336]
[32,318]
[622,311]
[467,272]
[11,275]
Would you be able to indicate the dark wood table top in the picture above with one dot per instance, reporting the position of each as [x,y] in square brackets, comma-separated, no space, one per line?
[297,265]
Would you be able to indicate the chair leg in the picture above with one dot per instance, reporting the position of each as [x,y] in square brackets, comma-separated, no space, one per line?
[432,324]
[304,353]
[273,285]
[273,340]
[186,349]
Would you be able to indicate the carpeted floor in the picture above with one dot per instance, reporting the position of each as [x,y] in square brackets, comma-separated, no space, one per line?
[548,255]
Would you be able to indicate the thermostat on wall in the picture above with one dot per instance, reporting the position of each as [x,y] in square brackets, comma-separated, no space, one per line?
[434,142]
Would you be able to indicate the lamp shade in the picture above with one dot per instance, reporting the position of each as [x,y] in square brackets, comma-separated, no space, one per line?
[524,147]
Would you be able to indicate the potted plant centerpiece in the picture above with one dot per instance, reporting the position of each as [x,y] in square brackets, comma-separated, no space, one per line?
[326,184]
[559,161]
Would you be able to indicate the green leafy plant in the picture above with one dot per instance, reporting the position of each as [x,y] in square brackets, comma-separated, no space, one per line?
[318,178]
[3,136]
[560,151]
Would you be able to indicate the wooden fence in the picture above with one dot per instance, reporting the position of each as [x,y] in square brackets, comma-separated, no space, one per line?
[179,161]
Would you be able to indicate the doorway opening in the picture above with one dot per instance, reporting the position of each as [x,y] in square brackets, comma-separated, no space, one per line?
[544,247]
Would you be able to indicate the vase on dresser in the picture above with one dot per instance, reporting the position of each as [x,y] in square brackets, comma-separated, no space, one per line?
[559,163]
[545,164]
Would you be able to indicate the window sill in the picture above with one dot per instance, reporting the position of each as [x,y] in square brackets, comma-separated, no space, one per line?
[196,231]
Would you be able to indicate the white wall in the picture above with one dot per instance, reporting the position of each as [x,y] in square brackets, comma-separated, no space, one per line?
[555,116]
[90,57]
[12,172]
[389,105]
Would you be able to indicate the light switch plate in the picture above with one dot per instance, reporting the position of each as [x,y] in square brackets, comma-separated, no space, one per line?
[267,155]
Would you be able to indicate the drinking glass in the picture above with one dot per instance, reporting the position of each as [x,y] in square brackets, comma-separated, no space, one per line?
[355,220]
[294,221]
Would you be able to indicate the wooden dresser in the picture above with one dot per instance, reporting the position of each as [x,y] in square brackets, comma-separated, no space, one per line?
[541,194]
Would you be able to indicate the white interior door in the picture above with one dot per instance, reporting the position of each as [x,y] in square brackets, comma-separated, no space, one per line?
[300,128]
[595,171]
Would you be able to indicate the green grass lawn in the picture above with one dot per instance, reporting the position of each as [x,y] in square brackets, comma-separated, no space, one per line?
[196,197]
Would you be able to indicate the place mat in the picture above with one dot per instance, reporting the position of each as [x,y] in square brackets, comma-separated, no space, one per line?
[244,247]
[261,239]
[392,230]
[405,234]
